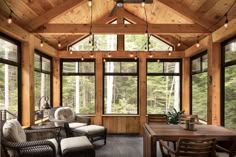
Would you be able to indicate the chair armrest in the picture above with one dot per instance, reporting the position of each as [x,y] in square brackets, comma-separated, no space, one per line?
[39,134]
[32,148]
[222,149]
[83,119]
[169,150]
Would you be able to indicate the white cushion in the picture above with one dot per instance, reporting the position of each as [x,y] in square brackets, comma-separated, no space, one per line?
[54,141]
[74,125]
[64,113]
[90,129]
[75,144]
[13,131]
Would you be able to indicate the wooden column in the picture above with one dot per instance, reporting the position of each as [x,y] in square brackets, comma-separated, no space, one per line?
[214,66]
[142,92]
[56,82]
[120,37]
[186,85]
[28,82]
[99,88]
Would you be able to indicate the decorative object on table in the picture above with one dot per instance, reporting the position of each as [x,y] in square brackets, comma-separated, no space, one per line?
[43,106]
[173,117]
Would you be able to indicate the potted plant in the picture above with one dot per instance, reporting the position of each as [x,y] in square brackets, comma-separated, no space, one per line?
[173,117]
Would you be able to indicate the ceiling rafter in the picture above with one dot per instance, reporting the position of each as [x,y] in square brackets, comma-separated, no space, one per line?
[120,28]
[185,11]
[56,11]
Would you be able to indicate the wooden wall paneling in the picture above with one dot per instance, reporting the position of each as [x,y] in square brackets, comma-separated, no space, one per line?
[28,82]
[99,89]
[56,82]
[121,124]
[214,66]
[142,92]
[186,85]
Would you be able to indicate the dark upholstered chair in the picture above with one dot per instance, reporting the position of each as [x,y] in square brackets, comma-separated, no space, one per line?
[190,147]
[223,152]
[15,142]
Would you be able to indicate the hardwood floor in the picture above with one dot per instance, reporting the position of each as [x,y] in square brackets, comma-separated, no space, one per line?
[120,146]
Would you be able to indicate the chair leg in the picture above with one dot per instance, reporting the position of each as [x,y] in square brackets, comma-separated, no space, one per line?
[105,136]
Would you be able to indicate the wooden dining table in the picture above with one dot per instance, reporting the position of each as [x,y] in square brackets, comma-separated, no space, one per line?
[166,132]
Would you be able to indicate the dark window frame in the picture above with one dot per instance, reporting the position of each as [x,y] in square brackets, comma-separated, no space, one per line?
[76,74]
[166,74]
[19,70]
[120,74]
[40,70]
[222,79]
[200,55]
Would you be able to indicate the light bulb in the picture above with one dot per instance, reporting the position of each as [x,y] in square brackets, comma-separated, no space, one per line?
[169,53]
[9,20]
[104,60]
[179,44]
[59,44]
[82,58]
[143,4]
[71,52]
[150,55]
[226,23]
[89,3]
[41,43]
[91,55]
[197,44]
[131,54]
[158,60]
[109,55]
[135,58]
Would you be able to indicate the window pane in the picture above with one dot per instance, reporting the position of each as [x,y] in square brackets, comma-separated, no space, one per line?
[159,45]
[37,61]
[155,67]
[171,67]
[230,51]
[46,64]
[8,50]
[118,99]
[70,67]
[79,93]
[86,67]
[230,95]
[41,88]
[163,93]
[196,65]
[8,88]
[121,67]
[204,62]
[135,42]
[102,42]
[106,42]
[199,95]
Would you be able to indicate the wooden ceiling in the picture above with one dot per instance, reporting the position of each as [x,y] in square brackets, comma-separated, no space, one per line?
[170,19]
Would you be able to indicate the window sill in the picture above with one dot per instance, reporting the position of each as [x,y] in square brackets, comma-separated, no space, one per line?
[119,115]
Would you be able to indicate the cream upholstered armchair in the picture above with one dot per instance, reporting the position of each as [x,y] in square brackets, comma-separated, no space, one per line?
[15,142]
[69,118]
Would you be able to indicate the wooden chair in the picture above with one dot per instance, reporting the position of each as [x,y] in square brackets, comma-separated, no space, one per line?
[223,152]
[190,147]
[183,118]
[157,119]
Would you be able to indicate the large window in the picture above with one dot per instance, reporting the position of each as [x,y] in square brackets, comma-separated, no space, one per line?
[78,85]
[163,85]
[9,74]
[229,84]
[42,79]
[199,85]
[120,87]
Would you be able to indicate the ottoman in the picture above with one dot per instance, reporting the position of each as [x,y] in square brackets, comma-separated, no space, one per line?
[93,132]
[77,147]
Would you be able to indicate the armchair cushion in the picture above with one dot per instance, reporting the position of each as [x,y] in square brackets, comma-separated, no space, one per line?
[64,113]
[74,125]
[12,131]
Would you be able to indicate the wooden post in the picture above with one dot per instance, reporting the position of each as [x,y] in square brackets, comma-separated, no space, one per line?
[56,82]
[28,82]
[142,93]
[214,66]
[186,85]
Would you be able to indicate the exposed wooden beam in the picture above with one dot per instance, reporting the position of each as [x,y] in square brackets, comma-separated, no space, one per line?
[120,28]
[206,6]
[58,10]
[185,11]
